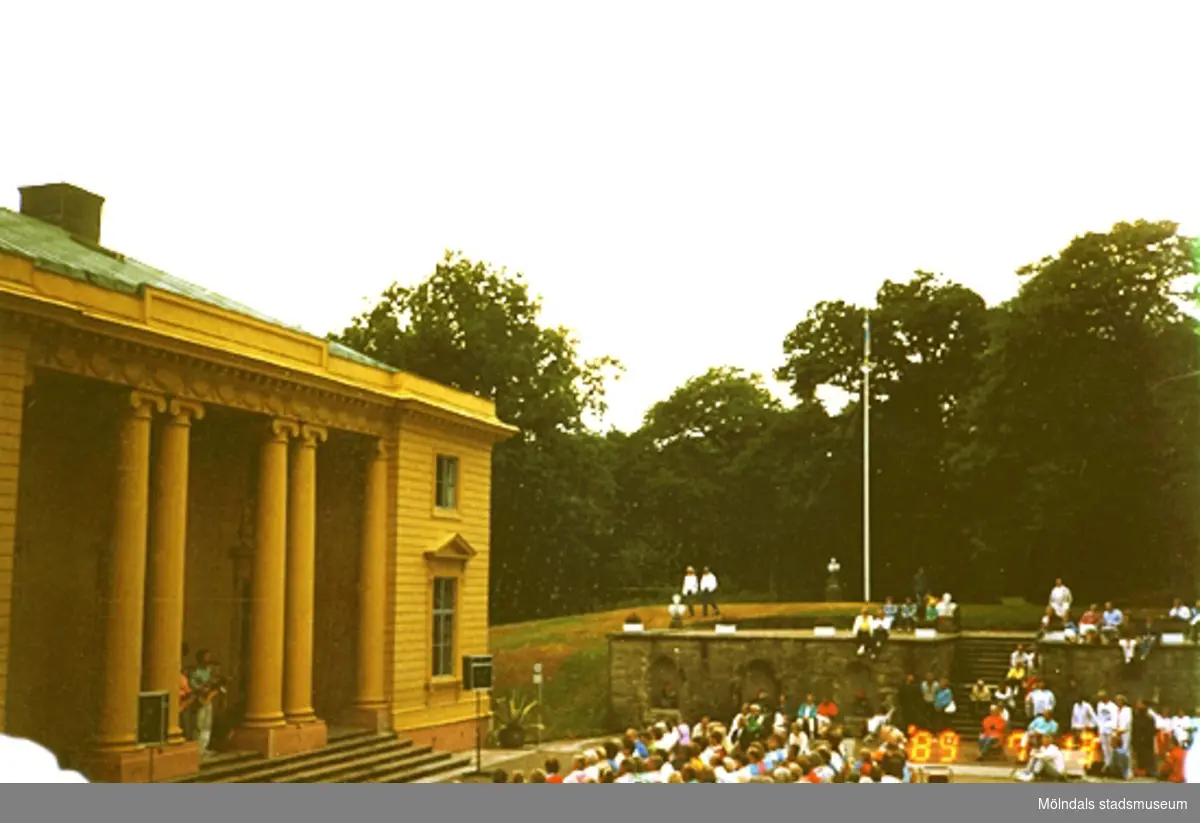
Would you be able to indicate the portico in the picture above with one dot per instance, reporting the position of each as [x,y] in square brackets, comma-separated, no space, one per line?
[177,469]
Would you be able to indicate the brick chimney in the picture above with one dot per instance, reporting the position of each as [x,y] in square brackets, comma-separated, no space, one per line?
[66,206]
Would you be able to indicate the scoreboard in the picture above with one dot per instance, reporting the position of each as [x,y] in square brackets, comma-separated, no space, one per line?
[925,747]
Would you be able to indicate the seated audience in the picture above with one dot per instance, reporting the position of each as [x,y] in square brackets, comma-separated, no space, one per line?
[947,614]
[1112,623]
[864,632]
[1171,770]
[1044,724]
[993,732]
[1180,613]
[943,701]
[981,698]
[1047,763]
[1089,624]
[908,615]
[890,612]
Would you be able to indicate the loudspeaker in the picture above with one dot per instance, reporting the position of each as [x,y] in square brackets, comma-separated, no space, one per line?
[154,718]
[477,671]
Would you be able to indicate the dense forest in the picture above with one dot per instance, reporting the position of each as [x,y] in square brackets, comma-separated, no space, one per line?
[1055,434]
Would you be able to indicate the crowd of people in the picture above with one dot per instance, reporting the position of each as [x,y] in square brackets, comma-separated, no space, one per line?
[807,744]
[812,743]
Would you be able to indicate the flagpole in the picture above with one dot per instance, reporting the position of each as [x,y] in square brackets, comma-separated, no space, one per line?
[866,370]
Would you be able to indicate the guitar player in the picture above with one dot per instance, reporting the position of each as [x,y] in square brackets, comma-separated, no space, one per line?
[206,685]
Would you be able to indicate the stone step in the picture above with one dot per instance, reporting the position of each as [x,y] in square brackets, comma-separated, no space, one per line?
[241,763]
[312,770]
[439,763]
[360,764]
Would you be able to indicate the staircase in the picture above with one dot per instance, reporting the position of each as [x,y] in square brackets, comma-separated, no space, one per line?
[981,656]
[352,756]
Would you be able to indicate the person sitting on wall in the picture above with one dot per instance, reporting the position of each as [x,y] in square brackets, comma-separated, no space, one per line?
[1070,629]
[949,617]
[891,612]
[931,610]
[993,731]
[1180,614]
[1089,624]
[1194,623]
[1110,628]
[880,630]
[863,631]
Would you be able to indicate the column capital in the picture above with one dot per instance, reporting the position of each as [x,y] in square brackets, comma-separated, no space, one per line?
[183,412]
[282,429]
[311,435]
[143,403]
[374,449]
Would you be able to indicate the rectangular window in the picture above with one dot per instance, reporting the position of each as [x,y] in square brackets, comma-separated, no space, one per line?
[447,482]
[444,601]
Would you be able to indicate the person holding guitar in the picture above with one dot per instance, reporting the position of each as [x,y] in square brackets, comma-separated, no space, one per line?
[205,685]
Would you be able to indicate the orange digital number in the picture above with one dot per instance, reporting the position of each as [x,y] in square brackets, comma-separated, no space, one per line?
[920,749]
[1090,744]
[1016,746]
[948,747]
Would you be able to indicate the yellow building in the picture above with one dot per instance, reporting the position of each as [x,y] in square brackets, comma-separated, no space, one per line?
[175,468]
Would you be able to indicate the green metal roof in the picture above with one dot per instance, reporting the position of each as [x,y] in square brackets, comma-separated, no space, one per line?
[53,249]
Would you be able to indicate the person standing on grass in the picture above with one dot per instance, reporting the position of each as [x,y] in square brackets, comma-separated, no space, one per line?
[708,592]
[1060,599]
[691,587]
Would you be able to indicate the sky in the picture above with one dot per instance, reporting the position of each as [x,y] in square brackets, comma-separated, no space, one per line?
[680,182]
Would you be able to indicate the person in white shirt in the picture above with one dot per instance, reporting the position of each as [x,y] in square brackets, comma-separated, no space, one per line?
[1040,700]
[1083,717]
[691,588]
[1106,724]
[1124,735]
[1046,761]
[1195,623]
[1060,599]
[1110,627]
[1180,612]
[708,592]
[23,761]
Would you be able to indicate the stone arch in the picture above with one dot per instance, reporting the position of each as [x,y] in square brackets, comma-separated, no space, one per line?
[664,684]
[760,684]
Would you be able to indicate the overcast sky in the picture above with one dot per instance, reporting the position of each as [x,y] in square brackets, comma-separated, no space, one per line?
[681,182]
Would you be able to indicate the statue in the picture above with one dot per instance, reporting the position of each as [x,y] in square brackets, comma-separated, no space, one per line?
[833,586]
[676,610]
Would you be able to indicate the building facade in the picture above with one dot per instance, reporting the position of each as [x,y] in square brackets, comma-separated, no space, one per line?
[177,469]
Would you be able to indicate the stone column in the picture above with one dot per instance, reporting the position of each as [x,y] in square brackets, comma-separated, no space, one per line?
[301,571]
[125,600]
[264,692]
[164,630]
[370,702]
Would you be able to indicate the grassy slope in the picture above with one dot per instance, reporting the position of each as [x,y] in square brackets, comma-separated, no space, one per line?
[573,652]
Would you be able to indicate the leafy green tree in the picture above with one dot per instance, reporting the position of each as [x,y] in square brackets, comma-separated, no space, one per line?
[1085,423]
[927,337]
[476,328]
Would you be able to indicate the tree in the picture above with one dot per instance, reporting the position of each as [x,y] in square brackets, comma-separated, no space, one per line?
[927,337]
[476,328]
[1084,425]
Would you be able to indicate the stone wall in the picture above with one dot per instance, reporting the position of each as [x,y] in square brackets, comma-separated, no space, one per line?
[703,673]
[1170,677]
[709,674]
